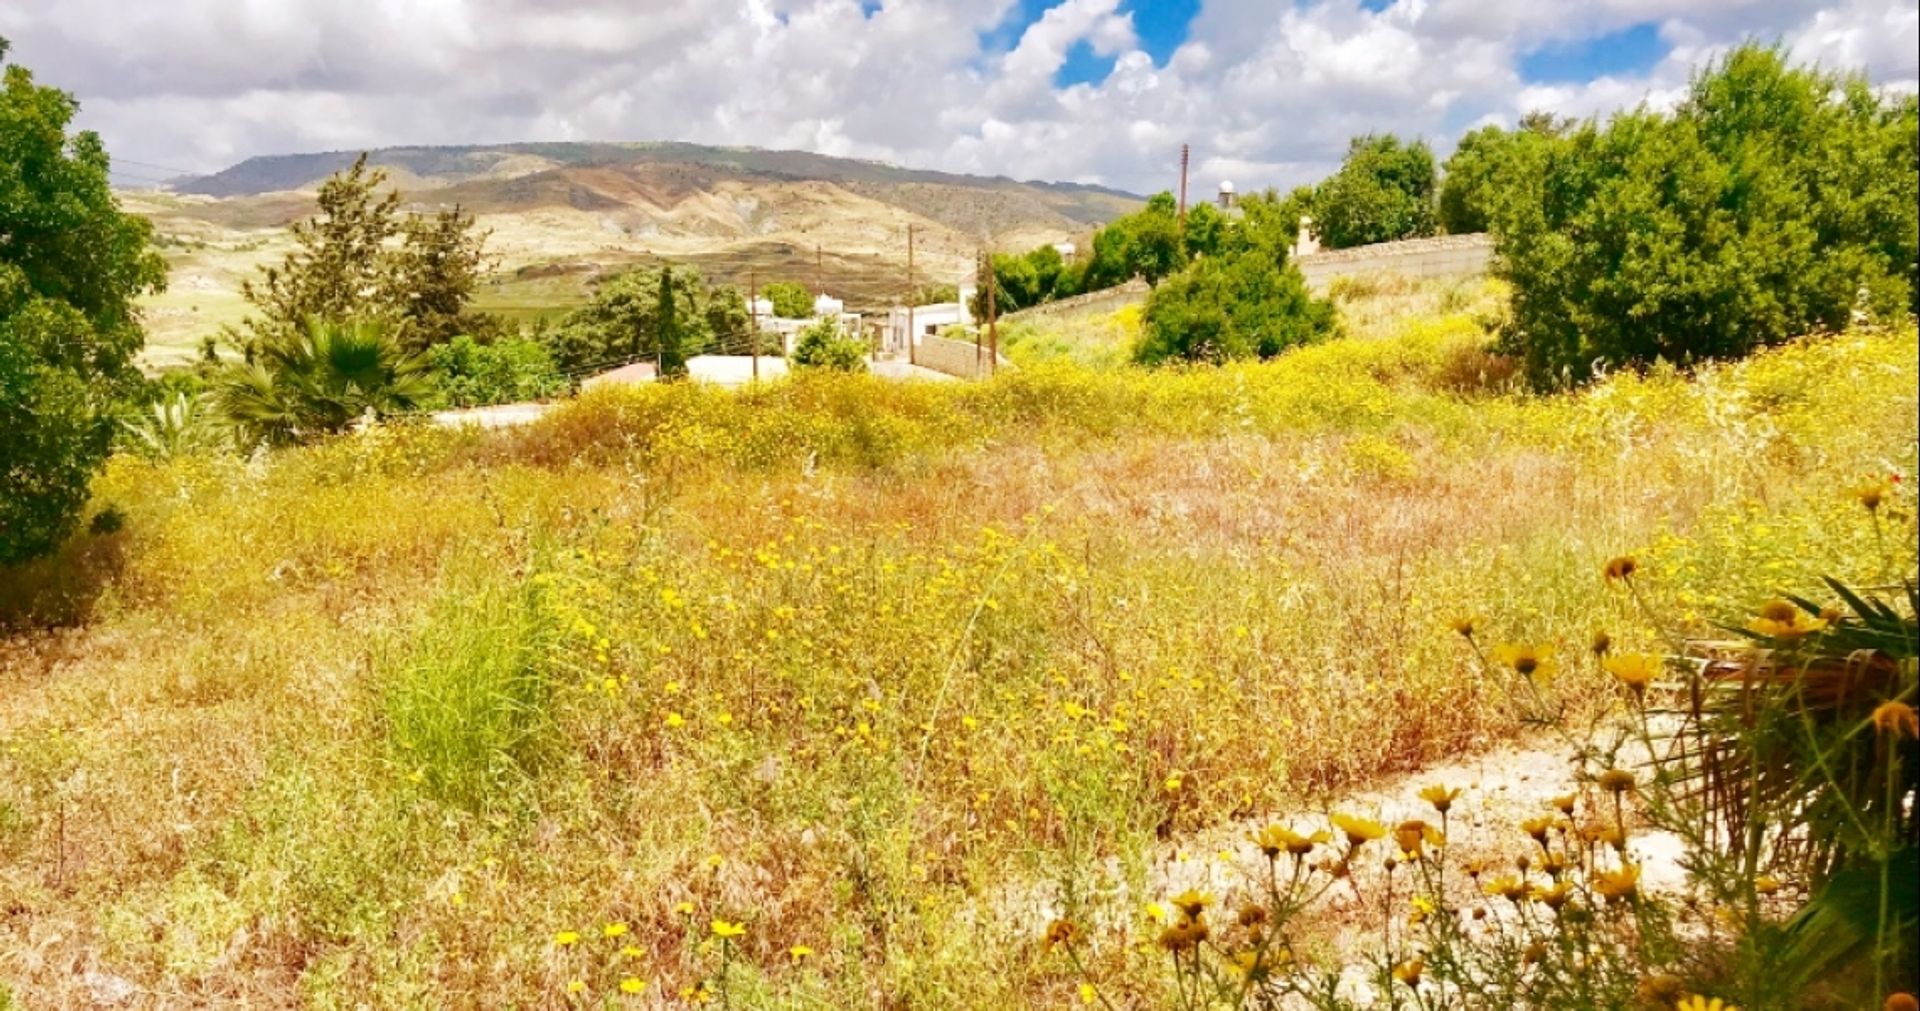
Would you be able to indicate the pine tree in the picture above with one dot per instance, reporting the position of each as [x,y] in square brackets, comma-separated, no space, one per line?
[673,362]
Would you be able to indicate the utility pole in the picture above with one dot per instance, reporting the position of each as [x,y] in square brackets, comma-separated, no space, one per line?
[819,267]
[912,338]
[993,325]
[1184,154]
[983,264]
[753,315]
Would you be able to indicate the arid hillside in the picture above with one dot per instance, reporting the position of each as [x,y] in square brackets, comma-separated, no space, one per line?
[563,216]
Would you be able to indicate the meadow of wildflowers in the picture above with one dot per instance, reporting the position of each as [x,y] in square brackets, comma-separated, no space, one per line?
[683,696]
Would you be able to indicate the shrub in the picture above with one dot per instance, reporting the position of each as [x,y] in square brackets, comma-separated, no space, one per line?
[320,382]
[825,346]
[1770,204]
[471,374]
[1220,309]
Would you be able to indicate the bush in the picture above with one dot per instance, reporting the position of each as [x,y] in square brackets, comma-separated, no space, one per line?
[1222,309]
[825,346]
[471,374]
[1770,204]
[320,382]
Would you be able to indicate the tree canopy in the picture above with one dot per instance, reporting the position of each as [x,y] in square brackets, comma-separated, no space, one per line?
[1773,202]
[624,320]
[71,265]
[790,299]
[1384,191]
[347,266]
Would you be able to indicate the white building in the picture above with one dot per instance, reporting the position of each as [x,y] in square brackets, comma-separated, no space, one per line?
[927,321]
[786,328]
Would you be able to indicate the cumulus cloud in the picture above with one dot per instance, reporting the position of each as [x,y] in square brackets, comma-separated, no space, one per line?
[1267,93]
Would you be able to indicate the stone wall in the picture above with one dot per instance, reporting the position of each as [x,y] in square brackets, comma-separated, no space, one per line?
[1440,256]
[955,358]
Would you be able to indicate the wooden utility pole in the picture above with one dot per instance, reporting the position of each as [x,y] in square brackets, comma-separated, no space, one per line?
[819,268]
[913,358]
[1184,154]
[993,324]
[753,316]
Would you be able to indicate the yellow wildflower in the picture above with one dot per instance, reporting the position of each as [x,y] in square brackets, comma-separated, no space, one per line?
[1553,898]
[1699,1003]
[1620,568]
[1532,662]
[1780,619]
[1896,719]
[1621,884]
[613,930]
[1088,994]
[727,931]
[1183,935]
[1408,972]
[576,986]
[1275,838]
[1616,781]
[1662,989]
[1635,670]
[1060,933]
[1191,903]
[1359,831]
[1507,887]
[1440,797]
[1413,834]
[1464,625]
[567,938]
[633,984]
[799,951]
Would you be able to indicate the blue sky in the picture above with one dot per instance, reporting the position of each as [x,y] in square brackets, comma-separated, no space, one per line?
[1266,92]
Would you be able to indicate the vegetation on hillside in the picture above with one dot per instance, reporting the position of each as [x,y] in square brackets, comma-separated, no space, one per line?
[71,264]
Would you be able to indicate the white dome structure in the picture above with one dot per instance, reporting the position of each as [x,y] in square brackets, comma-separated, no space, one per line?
[1227,197]
[827,305]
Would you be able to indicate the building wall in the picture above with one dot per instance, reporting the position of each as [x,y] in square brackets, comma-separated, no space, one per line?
[1093,301]
[1440,256]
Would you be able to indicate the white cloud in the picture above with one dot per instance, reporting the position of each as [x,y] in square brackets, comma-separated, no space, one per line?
[1266,92]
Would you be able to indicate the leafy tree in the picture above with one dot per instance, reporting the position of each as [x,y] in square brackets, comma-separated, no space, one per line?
[1224,308]
[1494,169]
[320,381]
[667,335]
[790,299]
[727,321]
[1384,191]
[1157,248]
[936,293]
[825,346]
[471,374]
[620,323]
[71,265]
[1207,230]
[431,277]
[1771,203]
[346,266]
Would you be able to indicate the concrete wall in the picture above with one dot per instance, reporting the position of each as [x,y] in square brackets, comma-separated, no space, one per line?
[955,358]
[1107,299]
[1440,256]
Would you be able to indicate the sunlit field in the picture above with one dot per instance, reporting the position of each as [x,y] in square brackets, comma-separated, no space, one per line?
[771,699]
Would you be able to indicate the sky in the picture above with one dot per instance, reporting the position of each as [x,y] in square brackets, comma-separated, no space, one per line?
[1267,92]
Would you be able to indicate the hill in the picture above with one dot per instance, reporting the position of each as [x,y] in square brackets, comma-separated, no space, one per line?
[563,216]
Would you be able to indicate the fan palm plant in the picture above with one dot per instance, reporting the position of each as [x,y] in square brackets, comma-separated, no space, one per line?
[173,427]
[320,381]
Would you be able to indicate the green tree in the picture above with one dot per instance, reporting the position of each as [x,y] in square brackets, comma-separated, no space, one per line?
[667,335]
[513,369]
[1771,203]
[790,299]
[824,345]
[1493,170]
[1207,231]
[431,277]
[620,323]
[1157,249]
[1225,308]
[1383,191]
[345,265]
[71,265]
[320,381]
